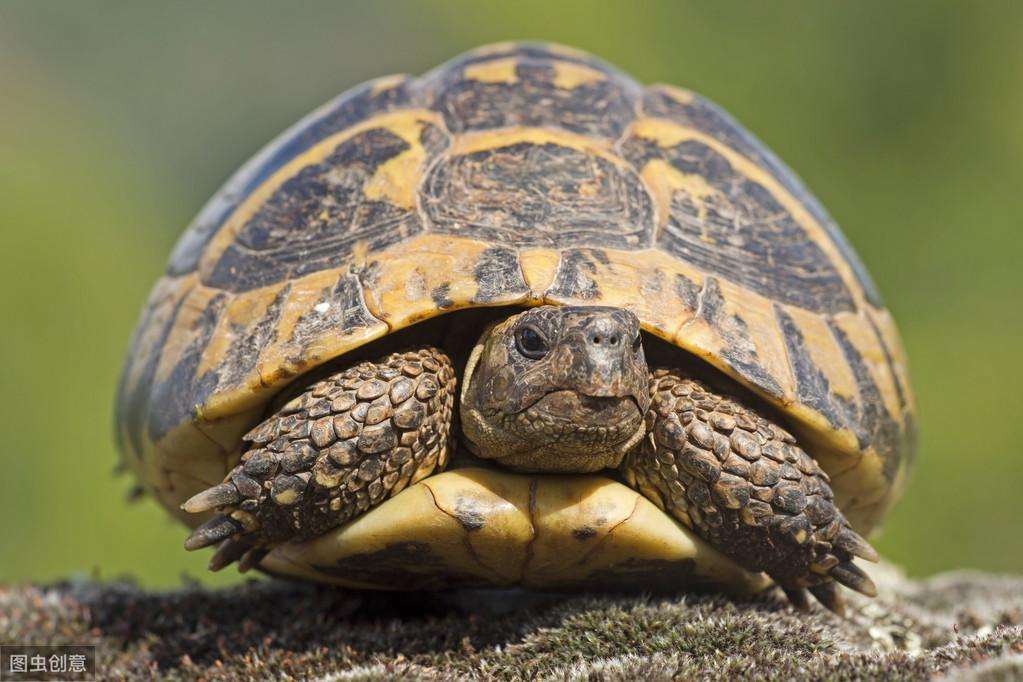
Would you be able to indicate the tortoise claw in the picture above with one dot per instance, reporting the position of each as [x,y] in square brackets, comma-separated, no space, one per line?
[228,552]
[271,496]
[798,598]
[828,595]
[217,529]
[211,498]
[852,543]
[252,558]
[853,577]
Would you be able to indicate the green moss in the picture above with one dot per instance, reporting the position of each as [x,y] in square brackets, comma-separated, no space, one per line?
[956,622]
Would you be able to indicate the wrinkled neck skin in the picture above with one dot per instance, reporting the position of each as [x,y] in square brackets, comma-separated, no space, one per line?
[573,401]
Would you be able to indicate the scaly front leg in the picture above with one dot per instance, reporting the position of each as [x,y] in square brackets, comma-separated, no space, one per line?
[340,447]
[745,486]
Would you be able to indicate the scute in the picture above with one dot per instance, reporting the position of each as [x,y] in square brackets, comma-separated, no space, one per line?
[498,195]
[727,222]
[691,110]
[311,221]
[478,527]
[517,174]
[345,110]
[532,85]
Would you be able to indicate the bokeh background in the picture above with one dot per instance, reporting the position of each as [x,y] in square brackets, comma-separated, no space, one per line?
[118,120]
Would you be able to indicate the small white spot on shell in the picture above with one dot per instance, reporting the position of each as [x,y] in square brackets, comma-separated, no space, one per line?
[321,307]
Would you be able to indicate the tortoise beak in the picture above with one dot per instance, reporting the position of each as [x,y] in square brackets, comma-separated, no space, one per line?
[600,358]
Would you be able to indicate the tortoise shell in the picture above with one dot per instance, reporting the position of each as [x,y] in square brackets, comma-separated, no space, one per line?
[515,175]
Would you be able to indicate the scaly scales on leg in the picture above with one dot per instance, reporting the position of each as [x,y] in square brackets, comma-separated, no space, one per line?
[343,445]
[349,441]
[744,485]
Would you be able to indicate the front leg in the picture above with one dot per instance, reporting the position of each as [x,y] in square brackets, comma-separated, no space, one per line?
[745,486]
[343,445]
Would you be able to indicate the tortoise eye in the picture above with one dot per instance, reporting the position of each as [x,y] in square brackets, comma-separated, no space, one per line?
[530,343]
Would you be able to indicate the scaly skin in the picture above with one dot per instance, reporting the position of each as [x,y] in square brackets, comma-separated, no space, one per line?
[744,485]
[576,407]
[343,445]
[552,389]
[736,479]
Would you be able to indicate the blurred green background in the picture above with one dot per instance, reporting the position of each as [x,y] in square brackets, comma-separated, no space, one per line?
[118,120]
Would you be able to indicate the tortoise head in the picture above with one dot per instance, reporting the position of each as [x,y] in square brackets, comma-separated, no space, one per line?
[557,389]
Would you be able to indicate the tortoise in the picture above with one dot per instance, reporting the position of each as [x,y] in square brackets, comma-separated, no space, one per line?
[521,322]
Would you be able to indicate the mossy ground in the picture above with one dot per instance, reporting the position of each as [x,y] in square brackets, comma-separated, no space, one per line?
[964,624]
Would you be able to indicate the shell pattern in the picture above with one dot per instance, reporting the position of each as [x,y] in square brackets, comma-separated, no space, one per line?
[516,174]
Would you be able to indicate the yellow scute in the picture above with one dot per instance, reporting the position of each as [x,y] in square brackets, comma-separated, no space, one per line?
[484,527]
[493,71]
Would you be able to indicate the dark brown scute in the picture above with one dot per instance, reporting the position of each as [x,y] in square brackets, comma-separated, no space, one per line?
[742,232]
[500,195]
[345,312]
[867,417]
[497,274]
[345,110]
[877,428]
[576,277]
[688,292]
[441,296]
[601,108]
[172,401]
[243,353]
[905,454]
[812,385]
[133,402]
[703,115]
[739,349]
[312,220]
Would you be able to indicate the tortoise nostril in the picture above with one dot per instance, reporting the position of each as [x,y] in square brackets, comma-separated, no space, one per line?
[599,340]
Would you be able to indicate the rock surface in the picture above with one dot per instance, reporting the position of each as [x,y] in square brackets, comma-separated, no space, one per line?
[964,625]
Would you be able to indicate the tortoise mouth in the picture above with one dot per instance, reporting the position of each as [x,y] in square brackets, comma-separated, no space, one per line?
[566,431]
[586,411]
[483,527]
[568,411]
